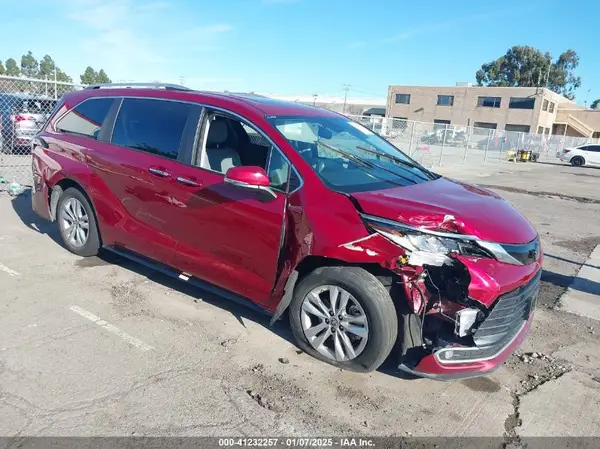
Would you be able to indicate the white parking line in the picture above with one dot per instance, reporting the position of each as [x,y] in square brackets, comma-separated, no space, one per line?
[10,272]
[112,329]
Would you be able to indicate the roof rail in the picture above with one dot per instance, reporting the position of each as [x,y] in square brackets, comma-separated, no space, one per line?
[139,85]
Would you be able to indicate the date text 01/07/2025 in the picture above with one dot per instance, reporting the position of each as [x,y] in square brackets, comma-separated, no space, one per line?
[296,442]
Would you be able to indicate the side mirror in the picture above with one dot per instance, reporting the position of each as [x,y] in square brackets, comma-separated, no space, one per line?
[250,178]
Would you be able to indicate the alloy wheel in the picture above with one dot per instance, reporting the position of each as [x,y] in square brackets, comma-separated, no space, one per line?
[74,222]
[334,323]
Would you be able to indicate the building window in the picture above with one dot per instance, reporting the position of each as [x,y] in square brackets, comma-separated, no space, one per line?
[485,125]
[481,128]
[399,123]
[517,128]
[596,135]
[551,108]
[540,130]
[548,131]
[445,100]
[523,103]
[402,98]
[440,124]
[545,105]
[489,102]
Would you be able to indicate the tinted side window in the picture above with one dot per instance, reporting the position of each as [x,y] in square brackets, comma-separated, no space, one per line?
[86,118]
[154,126]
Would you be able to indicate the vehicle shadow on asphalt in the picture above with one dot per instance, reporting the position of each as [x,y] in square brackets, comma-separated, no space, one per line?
[572,282]
[242,313]
[562,259]
[22,206]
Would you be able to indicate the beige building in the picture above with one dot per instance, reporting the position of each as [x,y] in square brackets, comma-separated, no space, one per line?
[522,109]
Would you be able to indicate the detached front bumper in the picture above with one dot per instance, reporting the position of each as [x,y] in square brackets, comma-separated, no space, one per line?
[504,329]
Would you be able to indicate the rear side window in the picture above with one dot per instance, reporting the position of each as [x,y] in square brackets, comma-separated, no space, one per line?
[154,126]
[86,118]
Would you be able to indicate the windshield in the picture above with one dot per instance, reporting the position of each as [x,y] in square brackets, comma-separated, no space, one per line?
[349,157]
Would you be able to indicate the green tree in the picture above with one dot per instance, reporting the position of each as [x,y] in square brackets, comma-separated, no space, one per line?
[47,68]
[595,104]
[12,69]
[89,76]
[29,66]
[525,66]
[102,77]
[62,76]
[2,69]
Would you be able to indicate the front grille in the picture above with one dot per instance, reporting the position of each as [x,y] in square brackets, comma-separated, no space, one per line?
[526,253]
[498,330]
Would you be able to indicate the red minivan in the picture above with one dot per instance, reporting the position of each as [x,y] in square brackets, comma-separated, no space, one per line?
[292,208]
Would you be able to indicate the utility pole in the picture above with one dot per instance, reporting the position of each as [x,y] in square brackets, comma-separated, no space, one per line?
[346,89]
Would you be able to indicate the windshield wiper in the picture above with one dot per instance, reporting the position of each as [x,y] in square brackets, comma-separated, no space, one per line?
[399,160]
[361,162]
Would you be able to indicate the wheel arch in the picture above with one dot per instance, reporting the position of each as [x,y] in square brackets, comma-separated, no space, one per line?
[311,262]
[56,191]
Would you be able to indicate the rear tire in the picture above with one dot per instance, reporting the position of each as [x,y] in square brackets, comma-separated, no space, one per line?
[577,161]
[368,305]
[77,223]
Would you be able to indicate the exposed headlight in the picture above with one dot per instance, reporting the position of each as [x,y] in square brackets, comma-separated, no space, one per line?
[439,244]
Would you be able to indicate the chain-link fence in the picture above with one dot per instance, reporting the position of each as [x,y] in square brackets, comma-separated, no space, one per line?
[434,144]
[25,105]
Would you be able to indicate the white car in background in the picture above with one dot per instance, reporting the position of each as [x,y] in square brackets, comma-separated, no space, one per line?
[581,155]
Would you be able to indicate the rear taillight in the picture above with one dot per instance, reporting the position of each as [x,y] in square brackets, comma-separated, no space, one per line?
[566,151]
[20,118]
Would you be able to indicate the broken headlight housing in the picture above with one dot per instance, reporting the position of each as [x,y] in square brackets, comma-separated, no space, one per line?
[440,244]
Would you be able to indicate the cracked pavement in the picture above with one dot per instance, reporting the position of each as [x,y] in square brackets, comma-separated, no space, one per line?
[214,368]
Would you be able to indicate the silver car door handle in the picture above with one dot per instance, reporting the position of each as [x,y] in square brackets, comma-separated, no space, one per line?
[187,182]
[157,172]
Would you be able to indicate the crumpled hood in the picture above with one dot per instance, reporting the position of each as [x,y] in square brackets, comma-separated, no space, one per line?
[451,206]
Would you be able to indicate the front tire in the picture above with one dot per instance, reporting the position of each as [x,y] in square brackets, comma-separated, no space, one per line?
[578,161]
[344,316]
[77,223]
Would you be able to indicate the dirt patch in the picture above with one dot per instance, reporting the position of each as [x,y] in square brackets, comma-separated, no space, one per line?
[551,289]
[89,262]
[541,194]
[583,246]
[356,399]
[127,300]
[580,174]
[482,384]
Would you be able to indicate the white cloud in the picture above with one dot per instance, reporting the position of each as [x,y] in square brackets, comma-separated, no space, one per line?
[137,39]
[432,27]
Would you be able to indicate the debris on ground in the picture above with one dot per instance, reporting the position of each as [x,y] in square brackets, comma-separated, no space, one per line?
[284,360]
[258,368]
[259,399]
[230,342]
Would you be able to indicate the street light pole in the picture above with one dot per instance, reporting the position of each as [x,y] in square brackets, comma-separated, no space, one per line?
[586,97]
[346,89]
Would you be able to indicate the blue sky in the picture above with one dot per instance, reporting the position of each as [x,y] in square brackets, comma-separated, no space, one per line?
[297,47]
